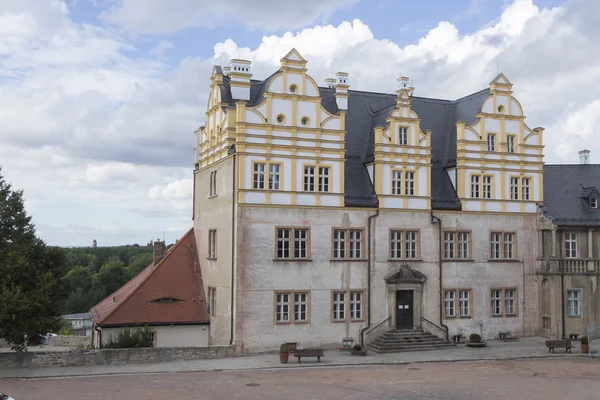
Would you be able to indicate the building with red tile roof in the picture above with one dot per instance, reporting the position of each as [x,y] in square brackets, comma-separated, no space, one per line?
[168,295]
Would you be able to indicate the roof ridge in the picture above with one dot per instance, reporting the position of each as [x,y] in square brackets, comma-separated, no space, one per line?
[156,266]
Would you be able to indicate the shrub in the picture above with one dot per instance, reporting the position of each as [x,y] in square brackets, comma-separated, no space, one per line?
[66,331]
[357,347]
[475,338]
[283,348]
[584,340]
[131,339]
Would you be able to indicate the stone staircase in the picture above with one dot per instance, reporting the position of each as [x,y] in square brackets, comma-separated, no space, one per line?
[396,341]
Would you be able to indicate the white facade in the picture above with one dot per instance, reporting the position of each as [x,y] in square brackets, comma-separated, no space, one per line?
[170,335]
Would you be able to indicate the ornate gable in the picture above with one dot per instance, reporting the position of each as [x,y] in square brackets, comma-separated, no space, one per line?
[405,274]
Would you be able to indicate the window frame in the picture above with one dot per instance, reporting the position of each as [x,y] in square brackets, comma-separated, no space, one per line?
[347,243]
[403,134]
[396,184]
[491,140]
[212,301]
[292,240]
[212,244]
[292,307]
[574,300]
[456,245]
[403,244]
[502,299]
[267,182]
[318,182]
[347,304]
[574,240]
[593,202]
[510,144]
[457,306]
[502,246]
[212,191]
[481,185]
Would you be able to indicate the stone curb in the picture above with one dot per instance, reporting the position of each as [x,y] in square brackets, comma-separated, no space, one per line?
[295,366]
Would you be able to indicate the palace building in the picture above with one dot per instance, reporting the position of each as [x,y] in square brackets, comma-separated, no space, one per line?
[323,213]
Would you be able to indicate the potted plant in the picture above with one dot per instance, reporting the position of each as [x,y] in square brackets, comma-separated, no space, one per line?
[585,348]
[357,350]
[475,341]
[284,353]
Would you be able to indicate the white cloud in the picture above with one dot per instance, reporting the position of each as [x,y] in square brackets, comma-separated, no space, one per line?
[158,16]
[161,48]
[88,123]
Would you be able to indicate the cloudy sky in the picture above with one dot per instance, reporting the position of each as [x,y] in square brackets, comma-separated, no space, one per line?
[99,98]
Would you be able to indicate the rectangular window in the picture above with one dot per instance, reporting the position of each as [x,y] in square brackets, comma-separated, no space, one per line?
[292,243]
[570,245]
[456,245]
[509,301]
[356,305]
[475,186]
[403,136]
[487,187]
[285,302]
[573,303]
[496,302]
[213,184]
[274,170]
[300,307]
[411,245]
[449,304]
[464,305]
[259,176]
[212,301]
[212,244]
[504,302]
[502,245]
[396,244]
[409,183]
[347,306]
[491,142]
[339,306]
[525,188]
[396,182]
[594,203]
[514,188]
[404,244]
[510,143]
[323,179]
[309,179]
[282,307]
[508,245]
[463,245]
[347,239]
[449,238]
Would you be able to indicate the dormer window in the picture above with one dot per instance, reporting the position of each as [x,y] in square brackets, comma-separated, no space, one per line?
[594,202]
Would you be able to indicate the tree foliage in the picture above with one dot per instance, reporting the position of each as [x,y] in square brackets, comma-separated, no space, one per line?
[31,275]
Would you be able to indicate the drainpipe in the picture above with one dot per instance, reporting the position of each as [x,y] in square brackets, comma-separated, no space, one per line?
[562,299]
[234,193]
[98,336]
[437,220]
[369,260]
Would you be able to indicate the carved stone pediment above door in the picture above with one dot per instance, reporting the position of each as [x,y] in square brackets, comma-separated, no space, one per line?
[405,274]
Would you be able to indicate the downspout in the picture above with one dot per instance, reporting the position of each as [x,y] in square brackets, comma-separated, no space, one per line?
[234,193]
[98,336]
[437,220]
[369,260]
[562,299]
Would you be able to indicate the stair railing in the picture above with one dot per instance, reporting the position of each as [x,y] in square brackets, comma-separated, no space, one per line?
[377,329]
[444,332]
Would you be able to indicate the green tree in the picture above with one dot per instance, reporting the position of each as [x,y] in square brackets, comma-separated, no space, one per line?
[111,276]
[31,284]
[137,263]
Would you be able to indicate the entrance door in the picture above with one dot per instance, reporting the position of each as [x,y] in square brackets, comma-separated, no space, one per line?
[404,309]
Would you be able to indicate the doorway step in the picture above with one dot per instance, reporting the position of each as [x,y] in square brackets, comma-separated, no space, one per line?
[396,341]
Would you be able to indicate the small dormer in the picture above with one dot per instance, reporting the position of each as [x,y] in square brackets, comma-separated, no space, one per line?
[591,198]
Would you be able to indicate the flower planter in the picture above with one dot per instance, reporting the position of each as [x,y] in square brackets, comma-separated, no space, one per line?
[480,344]
[585,348]
[283,357]
[362,352]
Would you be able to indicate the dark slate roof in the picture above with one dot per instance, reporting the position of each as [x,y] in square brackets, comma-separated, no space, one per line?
[567,189]
[366,110]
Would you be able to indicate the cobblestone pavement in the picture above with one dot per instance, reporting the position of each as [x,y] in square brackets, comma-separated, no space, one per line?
[561,378]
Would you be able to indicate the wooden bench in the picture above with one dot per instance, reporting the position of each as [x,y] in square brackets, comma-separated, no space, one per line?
[559,343]
[299,353]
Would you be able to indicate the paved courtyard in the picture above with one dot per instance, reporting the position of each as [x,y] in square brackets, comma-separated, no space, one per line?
[559,378]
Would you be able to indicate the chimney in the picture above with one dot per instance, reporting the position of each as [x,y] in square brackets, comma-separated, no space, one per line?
[330,83]
[341,90]
[240,74]
[159,251]
[584,157]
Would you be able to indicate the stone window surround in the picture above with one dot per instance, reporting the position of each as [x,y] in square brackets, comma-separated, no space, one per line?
[292,243]
[456,243]
[515,242]
[291,307]
[347,299]
[391,257]
[503,303]
[578,291]
[457,292]
[347,244]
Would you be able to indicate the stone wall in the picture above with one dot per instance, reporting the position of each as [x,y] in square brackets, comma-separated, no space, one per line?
[69,341]
[80,358]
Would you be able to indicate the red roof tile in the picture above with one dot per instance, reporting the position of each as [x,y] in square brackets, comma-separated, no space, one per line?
[177,276]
